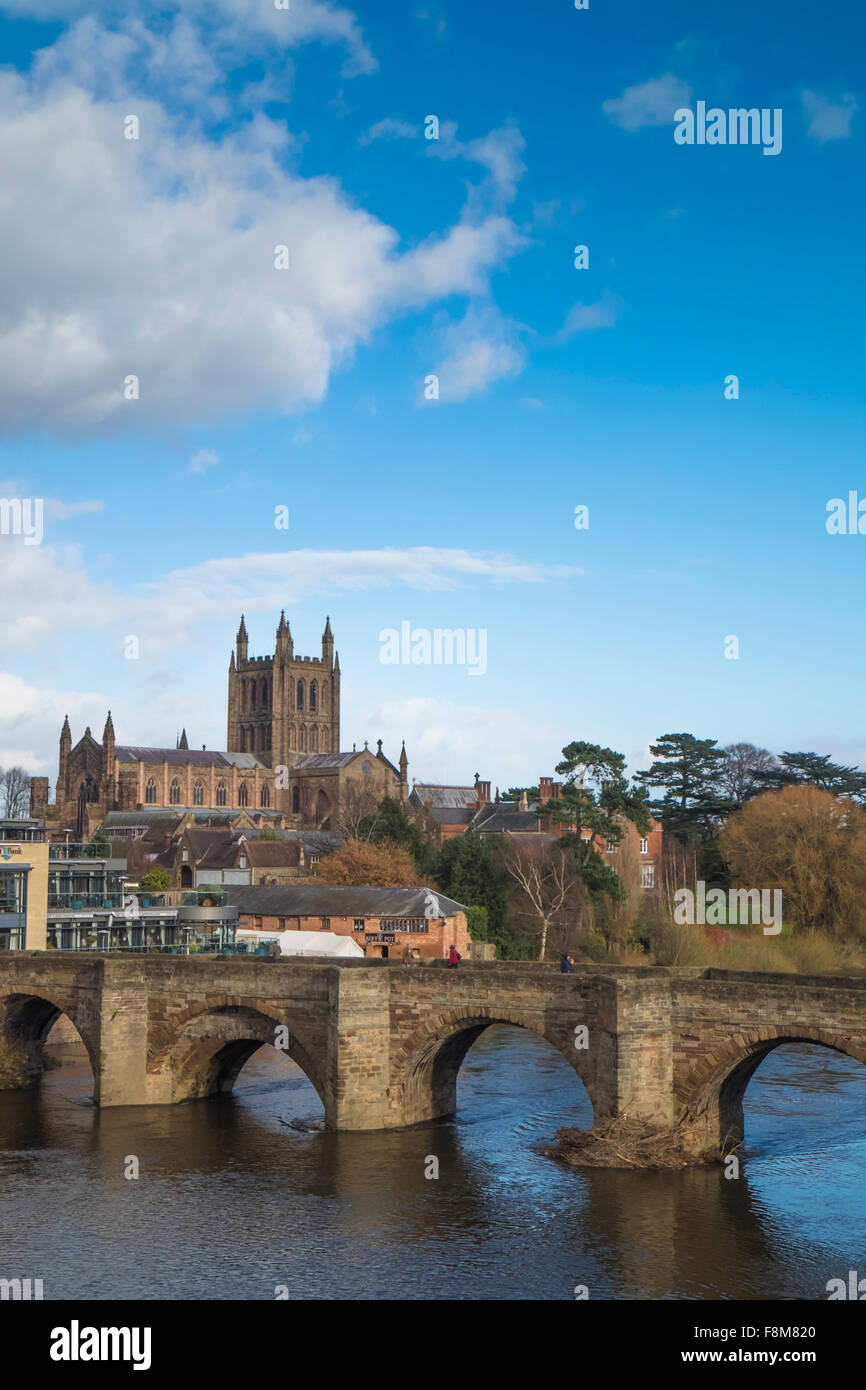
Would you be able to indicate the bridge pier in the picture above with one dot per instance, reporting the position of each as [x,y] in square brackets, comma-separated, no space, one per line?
[637,1013]
[359,1051]
[120,1073]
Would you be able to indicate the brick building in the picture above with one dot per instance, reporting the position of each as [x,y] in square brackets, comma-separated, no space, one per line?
[446,811]
[382,920]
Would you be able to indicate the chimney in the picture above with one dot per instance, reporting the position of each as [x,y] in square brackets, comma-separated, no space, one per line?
[557,791]
[545,788]
[482,793]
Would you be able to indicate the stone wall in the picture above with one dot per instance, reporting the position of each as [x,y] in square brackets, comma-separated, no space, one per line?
[383,1044]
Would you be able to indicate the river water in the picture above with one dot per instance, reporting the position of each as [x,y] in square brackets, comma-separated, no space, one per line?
[243,1195]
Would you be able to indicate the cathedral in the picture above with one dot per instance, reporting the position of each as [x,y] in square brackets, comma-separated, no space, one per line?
[282,763]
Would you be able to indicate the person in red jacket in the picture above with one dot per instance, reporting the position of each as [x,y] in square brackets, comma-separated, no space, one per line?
[453,957]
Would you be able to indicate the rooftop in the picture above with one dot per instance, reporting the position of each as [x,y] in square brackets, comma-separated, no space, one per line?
[329,900]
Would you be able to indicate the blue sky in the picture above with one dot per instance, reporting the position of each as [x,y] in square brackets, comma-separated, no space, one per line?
[304,388]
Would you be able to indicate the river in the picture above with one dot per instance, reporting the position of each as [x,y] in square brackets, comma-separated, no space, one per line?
[243,1195]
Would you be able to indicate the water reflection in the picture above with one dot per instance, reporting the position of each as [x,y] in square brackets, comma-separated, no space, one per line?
[239,1194]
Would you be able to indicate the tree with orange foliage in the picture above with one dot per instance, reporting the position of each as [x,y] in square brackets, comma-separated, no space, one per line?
[361,862]
[812,845]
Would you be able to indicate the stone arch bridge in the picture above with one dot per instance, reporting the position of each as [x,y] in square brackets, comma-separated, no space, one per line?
[382,1043]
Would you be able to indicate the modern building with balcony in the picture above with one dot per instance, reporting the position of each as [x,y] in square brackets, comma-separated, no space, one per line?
[23,885]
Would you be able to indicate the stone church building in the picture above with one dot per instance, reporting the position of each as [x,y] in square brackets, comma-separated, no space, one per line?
[282,762]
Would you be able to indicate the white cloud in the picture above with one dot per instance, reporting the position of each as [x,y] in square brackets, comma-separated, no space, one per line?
[499,152]
[202,460]
[826,119]
[390,128]
[586,318]
[47,589]
[165,268]
[648,103]
[53,508]
[447,741]
[243,28]
[31,718]
[481,348]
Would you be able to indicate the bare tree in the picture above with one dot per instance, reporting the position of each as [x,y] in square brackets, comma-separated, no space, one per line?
[358,803]
[547,882]
[743,773]
[15,789]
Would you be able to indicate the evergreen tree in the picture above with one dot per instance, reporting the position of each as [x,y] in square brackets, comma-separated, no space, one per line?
[688,772]
[817,770]
[468,868]
[597,800]
[391,825]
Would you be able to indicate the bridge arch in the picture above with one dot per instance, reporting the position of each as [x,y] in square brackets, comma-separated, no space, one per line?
[427,1064]
[26,1019]
[214,1044]
[709,1098]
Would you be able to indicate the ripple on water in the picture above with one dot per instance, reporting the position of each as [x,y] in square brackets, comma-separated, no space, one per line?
[243,1193]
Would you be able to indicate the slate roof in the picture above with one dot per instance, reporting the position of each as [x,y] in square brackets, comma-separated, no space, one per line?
[330,900]
[201,839]
[182,757]
[496,818]
[450,815]
[442,796]
[329,759]
[316,840]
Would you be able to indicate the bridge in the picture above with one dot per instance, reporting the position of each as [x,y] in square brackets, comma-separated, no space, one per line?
[382,1043]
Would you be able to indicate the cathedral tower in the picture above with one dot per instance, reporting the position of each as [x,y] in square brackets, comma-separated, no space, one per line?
[283,706]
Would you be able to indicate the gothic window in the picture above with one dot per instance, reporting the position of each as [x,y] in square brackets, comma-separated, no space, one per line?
[314,741]
[268,733]
[244,697]
[296,799]
[150,792]
[198,794]
[300,694]
[265,796]
[314,692]
[221,794]
[292,736]
[323,702]
[304,739]
[243,795]
[252,695]
[174,793]
[264,694]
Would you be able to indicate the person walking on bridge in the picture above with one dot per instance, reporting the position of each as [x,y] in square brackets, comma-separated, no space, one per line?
[566,965]
[453,957]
